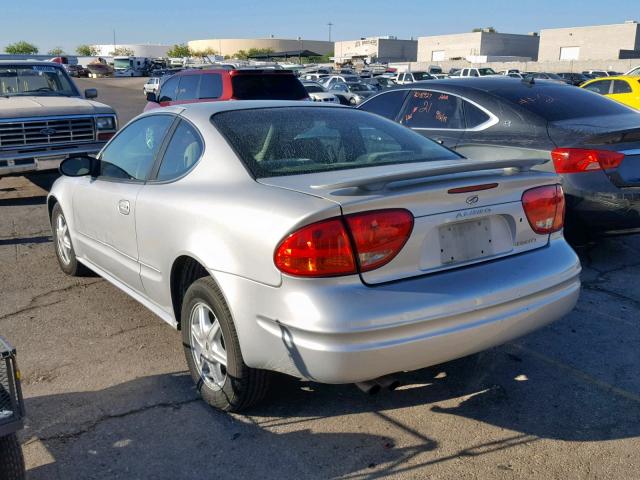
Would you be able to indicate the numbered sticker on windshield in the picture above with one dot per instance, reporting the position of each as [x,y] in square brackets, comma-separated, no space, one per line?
[44,68]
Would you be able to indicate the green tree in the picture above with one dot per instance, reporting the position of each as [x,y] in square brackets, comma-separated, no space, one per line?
[87,50]
[485,29]
[21,48]
[122,52]
[252,52]
[203,53]
[56,51]
[179,51]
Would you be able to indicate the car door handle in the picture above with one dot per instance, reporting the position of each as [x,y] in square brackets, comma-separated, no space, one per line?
[123,207]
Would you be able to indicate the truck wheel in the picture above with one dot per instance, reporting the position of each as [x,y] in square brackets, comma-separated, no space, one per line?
[213,352]
[12,461]
[65,253]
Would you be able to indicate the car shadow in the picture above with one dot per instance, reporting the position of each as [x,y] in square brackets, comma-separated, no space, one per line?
[158,427]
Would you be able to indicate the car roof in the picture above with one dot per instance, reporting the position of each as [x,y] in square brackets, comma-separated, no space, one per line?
[630,78]
[202,110]
[30,62]
[481,84]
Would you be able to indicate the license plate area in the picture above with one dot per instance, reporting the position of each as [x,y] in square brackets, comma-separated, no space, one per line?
[465,241]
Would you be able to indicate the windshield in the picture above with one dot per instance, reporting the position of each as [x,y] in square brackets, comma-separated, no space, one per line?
[121,63]
[267,87]
[350,78]
[297,140]
[554,76]
[35,80]
[314,88]
[359,87]
[486,71]
[421,76]
[561,102]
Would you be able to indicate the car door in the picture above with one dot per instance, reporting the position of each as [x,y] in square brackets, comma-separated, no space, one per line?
[603,87]
[104,206]
[434,114]
[387,104]
[622,92]
[161,199]
[168,91]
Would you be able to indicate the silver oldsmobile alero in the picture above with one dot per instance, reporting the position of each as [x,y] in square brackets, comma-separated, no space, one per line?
[319,241]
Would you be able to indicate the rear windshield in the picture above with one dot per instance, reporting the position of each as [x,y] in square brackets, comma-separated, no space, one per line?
[296,140]
[562,102]
[267,87]
[421,76]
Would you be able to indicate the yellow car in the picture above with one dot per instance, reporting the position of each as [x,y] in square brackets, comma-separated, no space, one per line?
[624,89]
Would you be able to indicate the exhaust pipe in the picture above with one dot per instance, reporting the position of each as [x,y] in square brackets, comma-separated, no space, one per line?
[372,387]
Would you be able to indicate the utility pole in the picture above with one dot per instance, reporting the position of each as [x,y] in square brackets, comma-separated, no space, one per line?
[329,25]
[114,39]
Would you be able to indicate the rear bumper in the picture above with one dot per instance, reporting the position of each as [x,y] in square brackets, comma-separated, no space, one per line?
[17,161]
[341,331]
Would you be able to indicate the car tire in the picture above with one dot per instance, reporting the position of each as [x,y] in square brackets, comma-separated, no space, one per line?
[12,464]
[231,387]
[65,252]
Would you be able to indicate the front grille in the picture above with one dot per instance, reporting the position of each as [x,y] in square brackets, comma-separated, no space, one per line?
[11,407]
[54,131]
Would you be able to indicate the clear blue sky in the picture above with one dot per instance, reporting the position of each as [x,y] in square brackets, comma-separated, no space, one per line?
[68,23]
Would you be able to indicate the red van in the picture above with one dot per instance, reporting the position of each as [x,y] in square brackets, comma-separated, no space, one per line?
[191,86]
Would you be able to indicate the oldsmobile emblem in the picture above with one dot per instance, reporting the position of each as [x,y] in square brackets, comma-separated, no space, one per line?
[472,199]
[48,131]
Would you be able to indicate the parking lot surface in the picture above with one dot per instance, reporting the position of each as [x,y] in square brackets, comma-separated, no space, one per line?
[108,395]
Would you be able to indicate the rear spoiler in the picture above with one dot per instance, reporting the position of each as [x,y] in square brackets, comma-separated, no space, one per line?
[378,182]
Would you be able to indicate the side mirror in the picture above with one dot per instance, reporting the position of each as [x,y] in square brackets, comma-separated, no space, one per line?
[90,93]
[152,97]
[78,166]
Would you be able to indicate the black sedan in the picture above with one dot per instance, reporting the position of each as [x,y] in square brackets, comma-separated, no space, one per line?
[593,142]
[575,79]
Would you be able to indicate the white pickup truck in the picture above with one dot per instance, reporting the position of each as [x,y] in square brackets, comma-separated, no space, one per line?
[475,72]
[44,118]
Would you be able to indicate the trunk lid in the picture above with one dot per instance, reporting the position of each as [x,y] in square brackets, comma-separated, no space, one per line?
[620,133]
[450,229]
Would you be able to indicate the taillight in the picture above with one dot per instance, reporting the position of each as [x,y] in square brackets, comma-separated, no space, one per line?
[325,248]
[318,250]
[379,235]
[575,160]
[544,208]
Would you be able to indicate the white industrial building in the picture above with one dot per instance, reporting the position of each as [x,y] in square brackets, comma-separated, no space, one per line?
[376,49]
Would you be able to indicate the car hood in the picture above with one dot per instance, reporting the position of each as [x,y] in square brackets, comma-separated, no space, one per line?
[321,95]
[34,106]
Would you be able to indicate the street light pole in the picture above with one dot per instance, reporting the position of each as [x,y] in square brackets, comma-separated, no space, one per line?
[329,25]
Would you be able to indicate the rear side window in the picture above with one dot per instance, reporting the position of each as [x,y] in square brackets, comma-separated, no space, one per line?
[267,87]
[297,140]
[620,86]
[211,86]
[183,151]
[387,105]
[188,89]
[168,90]
[474,116]
[426,109]
[561,102]
[602,87]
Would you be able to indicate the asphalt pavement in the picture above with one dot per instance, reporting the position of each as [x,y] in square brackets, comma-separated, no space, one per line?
[108,395]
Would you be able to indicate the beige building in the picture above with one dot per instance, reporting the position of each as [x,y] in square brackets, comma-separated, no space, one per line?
[480,46]
[603,42]
[376,49]
[230,46]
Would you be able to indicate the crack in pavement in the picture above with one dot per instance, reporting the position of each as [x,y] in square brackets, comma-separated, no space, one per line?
[34,300]
[89,427]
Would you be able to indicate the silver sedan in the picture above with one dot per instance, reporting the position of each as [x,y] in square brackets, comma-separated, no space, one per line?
[318,241]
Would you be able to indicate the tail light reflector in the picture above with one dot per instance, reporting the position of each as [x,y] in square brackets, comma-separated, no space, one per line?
[576,160]
[330,247]
[544,208]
